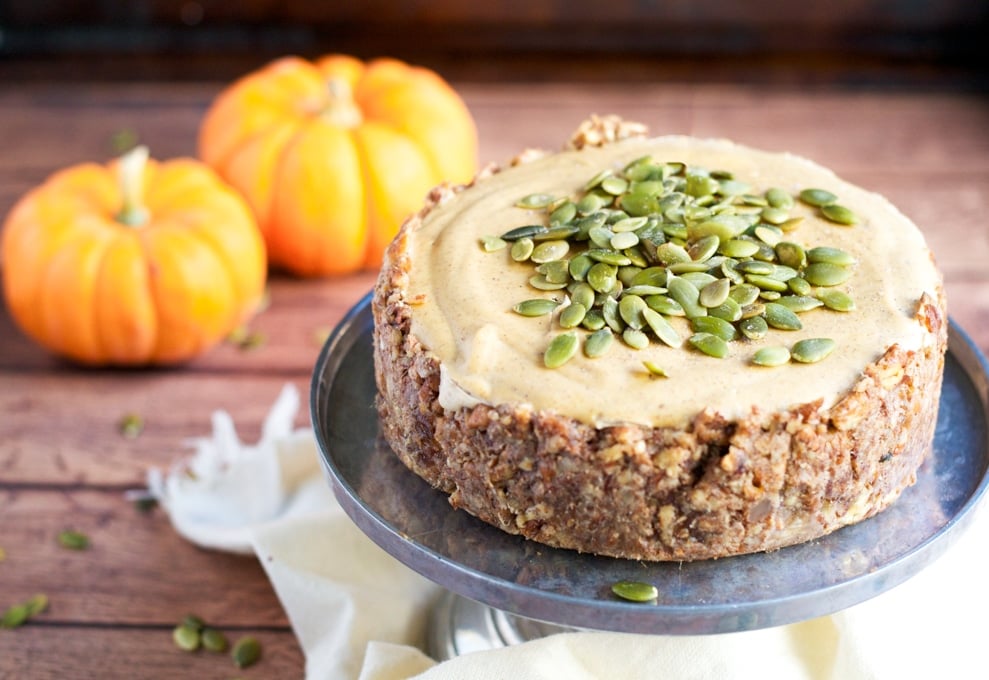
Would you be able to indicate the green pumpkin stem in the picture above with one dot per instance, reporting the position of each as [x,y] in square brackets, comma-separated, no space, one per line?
[131,177]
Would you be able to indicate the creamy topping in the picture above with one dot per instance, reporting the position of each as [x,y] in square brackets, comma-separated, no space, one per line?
[489,354]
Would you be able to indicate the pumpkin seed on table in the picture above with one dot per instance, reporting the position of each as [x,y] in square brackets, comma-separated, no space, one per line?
[598,342]
[714,326]
[635,338]
[800,303]
[654,369]
[826,274]
[779,198]
[491,244]
[781,318]
[754,328]
[573,314]
[213,640]
[714,293]
[186,637]
[246,652]
[812,350]
[14,616]
[839,214]
[522,249]
[560,350]
[73,540]
[836,300]
[817,197]
[830,255]
[709,344]
[635,591]
[776,355]
[534,201]
[662,328]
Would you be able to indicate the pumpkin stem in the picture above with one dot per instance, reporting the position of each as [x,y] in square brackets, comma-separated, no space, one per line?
[131,176]
[340,108]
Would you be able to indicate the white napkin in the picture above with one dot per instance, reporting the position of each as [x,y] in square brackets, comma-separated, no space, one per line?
[360,615]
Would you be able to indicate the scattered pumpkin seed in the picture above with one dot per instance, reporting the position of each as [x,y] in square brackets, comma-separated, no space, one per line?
[186,637]
[131,425]
[826,274]
[775,355]
[526,231]
[598,342]
[36,604]
[3,554]
[14,616]
[574,313]
[593,320]
[830,255]
[812,350]
[654,369]
[753,327]
[662,328]
[534,201]
[714,293]
[817,197]
[799,286]
[687,296]
[800,303]
[490,244]
[535,307]
[246,652]
[779,317]
[664,305]
[779,198]
[563,214]
[836,300]
[635,591]
[709,344]
[839,214]
[560,350]
[635,338]
[714,326]
[214,640]
[73,540]
[522,249]
[791,254]
[547,251]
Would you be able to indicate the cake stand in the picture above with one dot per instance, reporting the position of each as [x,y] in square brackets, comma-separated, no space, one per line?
[504,589]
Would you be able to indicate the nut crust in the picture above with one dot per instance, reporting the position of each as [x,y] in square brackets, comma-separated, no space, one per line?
[714,488]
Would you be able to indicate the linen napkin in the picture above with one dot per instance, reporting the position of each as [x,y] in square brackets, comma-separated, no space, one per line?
[360,615]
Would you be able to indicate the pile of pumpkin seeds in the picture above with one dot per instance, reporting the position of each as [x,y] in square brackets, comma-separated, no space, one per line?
[659,240]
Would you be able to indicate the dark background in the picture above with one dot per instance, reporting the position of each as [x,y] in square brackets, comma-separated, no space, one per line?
[855,41]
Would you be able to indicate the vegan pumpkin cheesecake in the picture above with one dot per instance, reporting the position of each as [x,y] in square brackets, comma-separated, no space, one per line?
[662,348]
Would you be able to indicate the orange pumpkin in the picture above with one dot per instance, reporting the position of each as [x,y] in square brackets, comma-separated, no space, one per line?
[98,274]
[334,154]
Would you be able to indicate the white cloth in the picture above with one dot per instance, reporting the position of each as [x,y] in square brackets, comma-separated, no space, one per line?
[360,615]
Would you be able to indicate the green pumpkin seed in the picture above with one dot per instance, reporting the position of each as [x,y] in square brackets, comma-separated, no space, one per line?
[73,540]
[651,276]
[593,320]
[186,638]
[539,282]
[547,251]
[214,640]
[655,370]
[534,201]
[714,293]
[729,310]
[560,350]
[738,248]
[754,201]
[800,303]
[522,249]
[830,255]
[36,604]
[752,309]
[709,344]
[615,186]
[598,178]
[729,270]
[490,244]
[744,293]
[714,326]
[791,254]
[629,224]
[703,248]
[671,253]
[635,591]
[774,216]
[688,268]
[812,350]
[698,279]
[687,295]
[639,204]
[836,300]
[779,198]
[826,274]
[246,652]
[776,355]
[591,203]
[799,286]
[630,308]
[572,315]
[624,239]
[582,294]
[527,231]
[732,187]
[839,214]
[754,327]
[768,235]
[600,236]
[767,283]
[563,214]
[602,277]
[662,328]
[791,224]
[579,266]
[755,267]
[700,185]
[609,310]
[635,338]
[781,318]
[598,342]
[664,305]
[637,256]
[558,233]
[14,616]
[817,197]
[557,271]
[770,295]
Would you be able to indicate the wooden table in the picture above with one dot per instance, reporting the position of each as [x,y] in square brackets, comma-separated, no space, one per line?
[64,463]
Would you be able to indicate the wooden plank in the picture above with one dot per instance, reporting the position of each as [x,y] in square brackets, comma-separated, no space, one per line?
[46,652]
[137,571]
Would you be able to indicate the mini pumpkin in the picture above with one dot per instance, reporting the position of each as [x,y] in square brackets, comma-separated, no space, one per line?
[333,155]
[131,263]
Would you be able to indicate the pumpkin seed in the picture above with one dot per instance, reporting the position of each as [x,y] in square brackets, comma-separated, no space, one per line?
[561,232]
[609,310]
[830,255]
[780,317]
[688,268]
[186,638]
[739,248]
[14,616]
[714,293]
[776,355]
[534,201]
[791,254]
[698,279]
[662,328]
[812,350]
[73,540]
[639,204]
[131,425]
[755,267]
[490,244]
[593,320]
[560,350]
[36,604]
[624,239]
[573,314]
[630,308]
[629,224]
[635,591]
[839,214]
[527,231]
[714,326]
[732,187]
[579,266]
[598,178]
[687,295]
[614,185]
[791,224]
[767,283]
[664,305]
[602,276]
[522,249]
[774,215]
[600,236]
[643,290]
[754,327]
[709,344]
[635,338]
[753,309]
[214,640]
[779,198]
[598,342]
[246,652]
[768,235]
[671,253]
[744,293]
[557,271]
[582,294]
[800,303]
[836,300]
[817,197]
[799,286]
[539,282]
[547,251]
[729,310]
[770,295]
[651,276]
[193,621]
[563,214]
[654,369]
[591,203]
[826,274]
[703,248]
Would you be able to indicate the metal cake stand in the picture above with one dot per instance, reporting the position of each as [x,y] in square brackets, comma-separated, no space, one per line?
[504,589]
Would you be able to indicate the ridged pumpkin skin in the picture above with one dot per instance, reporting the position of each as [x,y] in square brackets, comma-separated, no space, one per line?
[98,291]
[333,155]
